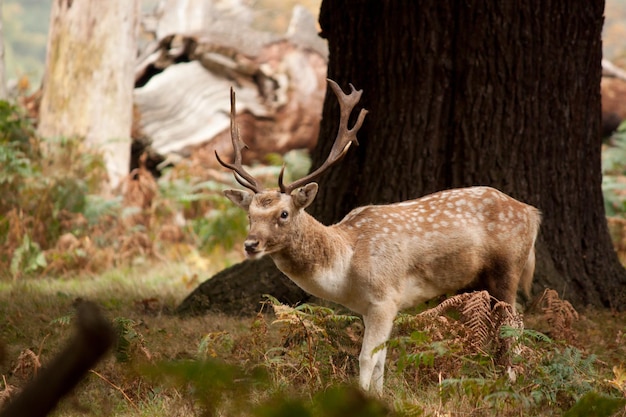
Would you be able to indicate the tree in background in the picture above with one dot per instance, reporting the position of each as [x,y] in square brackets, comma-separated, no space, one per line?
[89,77]
[464,93]
[3,84]
[469,93]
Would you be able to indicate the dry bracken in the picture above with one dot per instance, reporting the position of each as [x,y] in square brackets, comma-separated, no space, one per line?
[559,314]
[482,321]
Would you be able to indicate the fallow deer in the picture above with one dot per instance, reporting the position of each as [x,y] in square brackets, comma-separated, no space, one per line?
[381,259]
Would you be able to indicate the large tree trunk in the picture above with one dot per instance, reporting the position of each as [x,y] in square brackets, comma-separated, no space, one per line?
[89,78]
[471,92]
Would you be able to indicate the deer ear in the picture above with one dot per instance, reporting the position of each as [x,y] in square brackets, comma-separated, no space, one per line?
[304,196]
[240,198]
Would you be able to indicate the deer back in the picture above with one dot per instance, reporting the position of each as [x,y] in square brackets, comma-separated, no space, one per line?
[441,243]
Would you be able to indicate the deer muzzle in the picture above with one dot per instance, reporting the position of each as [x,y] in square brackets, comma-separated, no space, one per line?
[251,246]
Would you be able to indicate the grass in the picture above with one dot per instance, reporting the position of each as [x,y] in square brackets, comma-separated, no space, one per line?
[37,313]
[285,359]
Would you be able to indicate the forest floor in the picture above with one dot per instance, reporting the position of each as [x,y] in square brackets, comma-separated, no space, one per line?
[299,368]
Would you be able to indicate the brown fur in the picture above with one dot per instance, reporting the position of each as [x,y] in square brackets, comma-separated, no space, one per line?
[381,259]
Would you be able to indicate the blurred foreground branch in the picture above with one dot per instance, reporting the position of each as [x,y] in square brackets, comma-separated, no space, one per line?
[94,336]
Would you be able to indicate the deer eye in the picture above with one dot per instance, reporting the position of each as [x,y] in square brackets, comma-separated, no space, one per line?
[284,214]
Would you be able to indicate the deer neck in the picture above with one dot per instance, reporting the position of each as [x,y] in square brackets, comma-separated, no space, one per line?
[317,257]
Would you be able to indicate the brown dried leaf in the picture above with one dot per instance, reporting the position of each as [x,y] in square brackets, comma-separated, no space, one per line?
[27,365]
[476,315]
[8,391]
[559,314]
[139,189]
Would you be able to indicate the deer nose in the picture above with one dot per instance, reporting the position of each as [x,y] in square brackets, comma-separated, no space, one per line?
[251,245]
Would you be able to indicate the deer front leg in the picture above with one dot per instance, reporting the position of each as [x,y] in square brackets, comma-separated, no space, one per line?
[378,323]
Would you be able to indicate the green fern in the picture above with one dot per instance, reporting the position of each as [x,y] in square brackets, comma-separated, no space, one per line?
[129,340]
[63,321]
[563,376]
[27,258]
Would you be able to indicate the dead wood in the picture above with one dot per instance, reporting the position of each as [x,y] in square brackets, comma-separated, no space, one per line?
[183,82]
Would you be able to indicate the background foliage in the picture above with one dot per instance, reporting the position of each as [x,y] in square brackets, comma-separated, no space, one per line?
[53,218]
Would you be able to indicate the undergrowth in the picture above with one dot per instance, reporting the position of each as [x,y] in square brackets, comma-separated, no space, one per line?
[303,361]
[54,219]
[314,352]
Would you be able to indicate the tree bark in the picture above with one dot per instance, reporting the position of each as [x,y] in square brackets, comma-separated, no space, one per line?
[474,93]
[4,95]
[241,289]
[89,78]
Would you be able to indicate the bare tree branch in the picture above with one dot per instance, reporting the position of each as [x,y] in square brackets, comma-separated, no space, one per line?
[613,70]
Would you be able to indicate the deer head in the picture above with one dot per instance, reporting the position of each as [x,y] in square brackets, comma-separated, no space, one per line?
[277,214]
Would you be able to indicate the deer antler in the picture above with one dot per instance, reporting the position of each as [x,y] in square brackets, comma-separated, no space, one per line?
[345,137]
[244,178]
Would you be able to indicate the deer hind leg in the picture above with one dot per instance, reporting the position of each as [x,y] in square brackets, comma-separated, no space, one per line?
[526,280]
[378,323]
[501,279]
